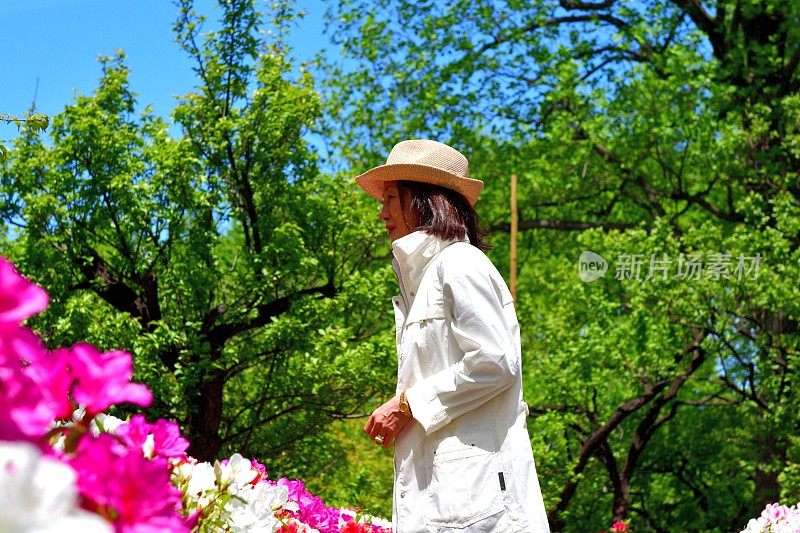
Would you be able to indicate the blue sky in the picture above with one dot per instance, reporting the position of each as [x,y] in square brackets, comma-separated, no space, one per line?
[58,42]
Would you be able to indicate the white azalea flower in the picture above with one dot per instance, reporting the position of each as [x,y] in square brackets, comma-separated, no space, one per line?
[272,497]
[291,506]
[755,525]
[253,509]
[242,469]
[202,483]
[39,494]
[107,422]
[199,479]
[237,473]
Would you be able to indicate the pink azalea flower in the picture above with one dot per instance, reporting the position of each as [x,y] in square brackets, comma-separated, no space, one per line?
[193,519]
[312,510]
[349,524]
[134,493]
[290,527]
[352,526]
[355,527]
[20,344]
[166,441]
[24,412]
[19,298]
[52,373]
[103,379]
[261,471]
[619,526]
[775,512]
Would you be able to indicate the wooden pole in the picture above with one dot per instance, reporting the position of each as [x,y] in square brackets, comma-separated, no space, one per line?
[514,220]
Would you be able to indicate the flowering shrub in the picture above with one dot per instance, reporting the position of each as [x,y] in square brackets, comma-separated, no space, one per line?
[776,518]
[66,466]
[618,527]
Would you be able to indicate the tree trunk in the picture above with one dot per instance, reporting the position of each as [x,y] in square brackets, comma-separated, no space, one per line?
[622,501]
[768,489]
[204,423]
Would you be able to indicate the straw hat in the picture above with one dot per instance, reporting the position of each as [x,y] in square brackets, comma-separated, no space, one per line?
[425,161]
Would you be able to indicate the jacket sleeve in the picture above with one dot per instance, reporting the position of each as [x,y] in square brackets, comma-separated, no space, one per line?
[485,328]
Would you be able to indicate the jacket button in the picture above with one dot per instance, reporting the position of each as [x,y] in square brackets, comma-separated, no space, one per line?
[403,494]
[412,293]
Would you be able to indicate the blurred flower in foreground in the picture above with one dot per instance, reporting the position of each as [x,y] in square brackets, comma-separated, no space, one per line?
[39,494]
[67,466]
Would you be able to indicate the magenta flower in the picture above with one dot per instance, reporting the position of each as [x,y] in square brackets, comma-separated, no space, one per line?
[133,493]
[19,298]
[24,412]
[166,437]
[20,344]
[103,379]
[52,373]
[261,471]
[312,510]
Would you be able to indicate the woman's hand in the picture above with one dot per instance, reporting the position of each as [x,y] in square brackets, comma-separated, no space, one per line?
[386,423]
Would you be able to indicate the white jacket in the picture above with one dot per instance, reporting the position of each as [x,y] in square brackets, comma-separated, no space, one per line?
[465,462]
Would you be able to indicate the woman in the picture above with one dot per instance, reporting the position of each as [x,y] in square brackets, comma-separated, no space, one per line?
[463,459]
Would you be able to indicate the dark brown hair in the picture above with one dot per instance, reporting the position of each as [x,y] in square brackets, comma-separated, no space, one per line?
[444,213]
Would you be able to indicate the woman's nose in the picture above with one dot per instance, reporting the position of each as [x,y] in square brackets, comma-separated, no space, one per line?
[384,212]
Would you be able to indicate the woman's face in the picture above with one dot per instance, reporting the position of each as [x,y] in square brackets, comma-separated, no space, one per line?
[395,213]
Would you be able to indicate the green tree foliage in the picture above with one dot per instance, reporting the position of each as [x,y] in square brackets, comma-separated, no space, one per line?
[34,121]
[663,131]
[239,275]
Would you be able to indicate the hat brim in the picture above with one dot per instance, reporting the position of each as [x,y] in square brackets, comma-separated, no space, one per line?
[373,180]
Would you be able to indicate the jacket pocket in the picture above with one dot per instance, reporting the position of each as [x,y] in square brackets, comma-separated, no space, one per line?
[467,482]
[423,335]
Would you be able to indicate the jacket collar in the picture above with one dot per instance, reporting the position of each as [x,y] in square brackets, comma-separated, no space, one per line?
[412,254]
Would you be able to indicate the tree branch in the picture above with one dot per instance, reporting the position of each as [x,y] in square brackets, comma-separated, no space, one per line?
[563,225]
[651,422]
[704,23]
[596,439]
[98,278]
[586,6]
[600,435]
[499,39]
[217,335]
